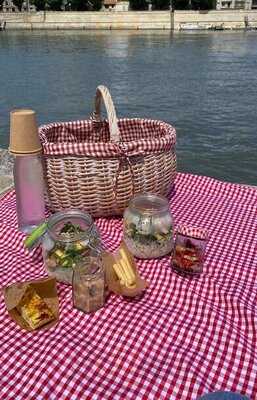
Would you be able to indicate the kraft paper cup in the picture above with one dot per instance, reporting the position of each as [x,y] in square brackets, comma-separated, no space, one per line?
[24,137]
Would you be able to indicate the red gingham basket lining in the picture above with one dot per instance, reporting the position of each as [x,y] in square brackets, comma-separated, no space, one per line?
[138,136]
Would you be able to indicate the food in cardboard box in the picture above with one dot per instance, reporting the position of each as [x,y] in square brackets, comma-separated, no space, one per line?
[128,282]
[33,309]
[124,271]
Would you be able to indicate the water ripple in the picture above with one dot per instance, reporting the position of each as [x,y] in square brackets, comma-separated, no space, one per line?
[205,83]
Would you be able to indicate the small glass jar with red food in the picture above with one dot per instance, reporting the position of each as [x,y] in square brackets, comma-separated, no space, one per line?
[189,250]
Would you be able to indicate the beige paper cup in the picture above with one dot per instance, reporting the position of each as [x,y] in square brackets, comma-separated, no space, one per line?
[24,137]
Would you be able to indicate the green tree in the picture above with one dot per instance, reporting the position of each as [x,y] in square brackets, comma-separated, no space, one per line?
[18,3]
[54,5]
[161,4]
[39,4]
[138,4]
[79,5]
[180,4]
[202,4]
[97,4]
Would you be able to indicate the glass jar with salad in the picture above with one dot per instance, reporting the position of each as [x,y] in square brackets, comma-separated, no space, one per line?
[70,238]
[148,226]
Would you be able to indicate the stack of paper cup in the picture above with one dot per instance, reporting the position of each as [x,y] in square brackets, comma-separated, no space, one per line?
[24,137]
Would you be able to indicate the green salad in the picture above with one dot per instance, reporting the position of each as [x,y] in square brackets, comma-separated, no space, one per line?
[147,238]
[67,255]
[152,244]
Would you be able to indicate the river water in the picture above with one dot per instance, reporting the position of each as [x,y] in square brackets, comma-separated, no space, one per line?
[205,83]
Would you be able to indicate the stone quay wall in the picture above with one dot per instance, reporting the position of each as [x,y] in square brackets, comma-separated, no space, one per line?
[228,19]
[88,20]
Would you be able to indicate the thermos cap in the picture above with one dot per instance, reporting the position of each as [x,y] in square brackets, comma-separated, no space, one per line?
[24,137]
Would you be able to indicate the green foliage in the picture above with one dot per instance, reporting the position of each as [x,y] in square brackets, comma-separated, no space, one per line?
[39,4]
[202,4]
[180,4]
[18,3]
[75,5]
[138,4]
[195,4]
[161,4]
[79,5]
[54,5]
[97,4]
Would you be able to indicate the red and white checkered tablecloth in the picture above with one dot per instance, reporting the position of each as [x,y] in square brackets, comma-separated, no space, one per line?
[184,338]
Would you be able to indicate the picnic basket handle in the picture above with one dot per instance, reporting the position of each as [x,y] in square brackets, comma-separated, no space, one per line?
[103,94]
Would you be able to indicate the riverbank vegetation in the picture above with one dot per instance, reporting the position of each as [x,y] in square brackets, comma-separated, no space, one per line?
[174,4]
[137,5]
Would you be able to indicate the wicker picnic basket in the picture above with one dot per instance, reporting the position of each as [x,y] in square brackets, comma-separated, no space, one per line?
[97,165]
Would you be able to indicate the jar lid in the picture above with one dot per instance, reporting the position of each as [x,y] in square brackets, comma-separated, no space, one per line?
[72,225]
[193,232]
[148,203]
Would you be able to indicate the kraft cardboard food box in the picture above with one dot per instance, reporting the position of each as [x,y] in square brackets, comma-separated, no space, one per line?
[112,279]
[45,288]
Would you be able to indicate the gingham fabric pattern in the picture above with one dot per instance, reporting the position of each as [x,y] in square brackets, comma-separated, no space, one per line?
[193,231]
[183,338]
[138,136]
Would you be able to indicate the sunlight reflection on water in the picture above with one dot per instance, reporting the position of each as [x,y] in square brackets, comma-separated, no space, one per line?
[204,83]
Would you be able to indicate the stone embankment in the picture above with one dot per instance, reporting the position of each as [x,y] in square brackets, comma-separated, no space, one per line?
[88,20]
[166,20]
[222,19]
[6,170]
